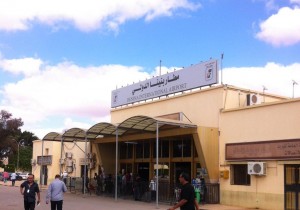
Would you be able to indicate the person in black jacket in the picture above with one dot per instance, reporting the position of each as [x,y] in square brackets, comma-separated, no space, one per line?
[30,189]
[187,200]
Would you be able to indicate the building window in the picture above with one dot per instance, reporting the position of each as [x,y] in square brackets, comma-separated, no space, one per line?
[142,149]
[239,174]
[163,149]
[182,147]
[126,150]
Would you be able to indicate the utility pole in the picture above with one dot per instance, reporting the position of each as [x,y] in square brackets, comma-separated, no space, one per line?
[294,83]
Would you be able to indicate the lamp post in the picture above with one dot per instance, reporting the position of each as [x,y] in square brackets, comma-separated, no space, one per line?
[19,153]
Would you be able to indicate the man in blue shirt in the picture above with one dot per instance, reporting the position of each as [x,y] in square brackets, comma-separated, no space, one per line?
[55,193]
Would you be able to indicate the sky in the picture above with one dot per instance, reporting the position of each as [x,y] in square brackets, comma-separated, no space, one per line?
[60,60]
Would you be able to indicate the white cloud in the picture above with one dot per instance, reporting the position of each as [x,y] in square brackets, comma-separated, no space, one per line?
[25,66]
[67,90]
[80,96]
[85,15]
[277,78]
[281,29]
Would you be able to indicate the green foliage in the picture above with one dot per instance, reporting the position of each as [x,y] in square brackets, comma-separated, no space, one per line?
[10,130]
[25,156]
[28,138]
[14,142]
[9,168]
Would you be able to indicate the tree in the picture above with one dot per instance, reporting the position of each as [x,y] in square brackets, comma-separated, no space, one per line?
[9,133]
[24,158]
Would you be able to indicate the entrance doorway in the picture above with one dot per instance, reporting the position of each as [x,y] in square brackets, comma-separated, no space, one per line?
[44,175]
[180,167]
[143,171]
[292,187]
[82,171]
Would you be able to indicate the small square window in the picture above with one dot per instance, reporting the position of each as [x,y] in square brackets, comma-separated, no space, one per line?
[239,175]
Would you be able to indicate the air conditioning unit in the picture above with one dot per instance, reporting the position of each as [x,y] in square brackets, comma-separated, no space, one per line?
[253,99]
[257,168]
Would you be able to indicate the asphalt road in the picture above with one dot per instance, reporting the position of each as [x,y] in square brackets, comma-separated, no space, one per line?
[11,199]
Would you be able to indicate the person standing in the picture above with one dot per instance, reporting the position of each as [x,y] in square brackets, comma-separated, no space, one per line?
[203,189]
[55,193]
[30,189]
[187,200]
[65,176]
[5,176]
[13,178]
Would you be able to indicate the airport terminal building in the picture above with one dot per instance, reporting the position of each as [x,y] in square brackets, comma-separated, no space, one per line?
[245,143]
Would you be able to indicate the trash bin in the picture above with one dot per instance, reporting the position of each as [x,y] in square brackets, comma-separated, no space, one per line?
[197,194]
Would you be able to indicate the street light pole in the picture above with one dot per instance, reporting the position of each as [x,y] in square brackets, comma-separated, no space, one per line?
[19,153]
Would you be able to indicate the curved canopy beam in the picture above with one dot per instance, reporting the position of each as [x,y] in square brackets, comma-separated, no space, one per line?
[148,124]
[52,136]
[74,134]
[103,129]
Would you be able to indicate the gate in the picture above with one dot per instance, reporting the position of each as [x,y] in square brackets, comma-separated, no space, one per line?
[291,187]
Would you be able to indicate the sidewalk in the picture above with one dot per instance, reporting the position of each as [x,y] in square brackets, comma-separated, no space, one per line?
[110,203]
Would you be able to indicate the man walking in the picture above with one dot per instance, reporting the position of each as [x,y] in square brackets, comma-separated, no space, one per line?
[13,178]
[187,200]
[29,189]
[55,193]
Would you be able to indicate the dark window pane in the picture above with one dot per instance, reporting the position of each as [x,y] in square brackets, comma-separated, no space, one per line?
[240,175]
[186,147]
[177,148]
[129,150]
[139,150]
[123,151]
[164,149]
[146,150]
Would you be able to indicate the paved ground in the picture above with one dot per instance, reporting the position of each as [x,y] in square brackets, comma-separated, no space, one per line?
[11,199]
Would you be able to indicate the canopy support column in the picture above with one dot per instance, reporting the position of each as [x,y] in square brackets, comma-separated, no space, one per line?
[61,150]
[42,161]
[85,163]
[116,174]
[157,134]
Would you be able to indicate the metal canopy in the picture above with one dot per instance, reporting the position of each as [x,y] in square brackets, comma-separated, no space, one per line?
[132,125]
[74,134]
[52,136]
[149,124]
[105,129]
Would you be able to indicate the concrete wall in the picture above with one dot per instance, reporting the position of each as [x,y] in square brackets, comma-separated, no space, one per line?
[267,122]
[200,107]
[54,149]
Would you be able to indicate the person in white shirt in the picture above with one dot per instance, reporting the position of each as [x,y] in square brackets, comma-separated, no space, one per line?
[13,178]
[65,176]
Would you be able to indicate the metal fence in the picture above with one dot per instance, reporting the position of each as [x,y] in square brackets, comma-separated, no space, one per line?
[166,191]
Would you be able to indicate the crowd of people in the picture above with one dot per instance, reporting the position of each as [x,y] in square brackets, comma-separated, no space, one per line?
[128,185]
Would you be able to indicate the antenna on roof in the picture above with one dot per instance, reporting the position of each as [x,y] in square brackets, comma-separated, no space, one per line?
[222,56]
[294,83]
[264,88]
[159,67]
